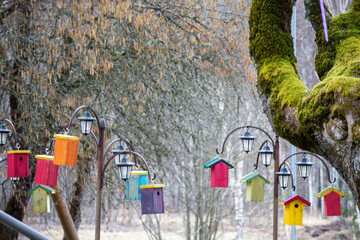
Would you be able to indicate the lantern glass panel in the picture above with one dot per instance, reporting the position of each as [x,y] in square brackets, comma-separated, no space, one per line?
[266,159]
[305,170]
[125,171]
[247,144]
[85,126]
[3,138]
[284,181]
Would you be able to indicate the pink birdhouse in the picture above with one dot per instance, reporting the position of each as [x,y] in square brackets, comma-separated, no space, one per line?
[18,163]
[46,171]
[332,203]
[219,172]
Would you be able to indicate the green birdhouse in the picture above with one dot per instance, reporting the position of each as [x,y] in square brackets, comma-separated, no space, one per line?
[254,187]
[41,198]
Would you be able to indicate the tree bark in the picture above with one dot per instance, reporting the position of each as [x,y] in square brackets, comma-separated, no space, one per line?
[324,120]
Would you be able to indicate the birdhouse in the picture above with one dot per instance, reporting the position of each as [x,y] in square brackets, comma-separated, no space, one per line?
[137,179]
[18,163]
[46,171]
[294,209]
[254,186]
[152,199]
[66,150]
[332,203]
[219,172]
[41,198]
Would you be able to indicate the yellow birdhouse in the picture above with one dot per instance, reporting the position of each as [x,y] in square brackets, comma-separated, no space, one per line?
[294,209]
[41,198]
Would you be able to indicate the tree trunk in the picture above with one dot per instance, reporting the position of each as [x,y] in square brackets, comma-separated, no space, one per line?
[324,120]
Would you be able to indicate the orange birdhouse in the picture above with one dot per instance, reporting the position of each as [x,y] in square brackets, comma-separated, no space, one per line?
[332,205]
[66,150]
[294,209]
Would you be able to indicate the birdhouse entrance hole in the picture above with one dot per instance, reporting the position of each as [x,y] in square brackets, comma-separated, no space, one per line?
[296,205]
[158,193]
[21,159]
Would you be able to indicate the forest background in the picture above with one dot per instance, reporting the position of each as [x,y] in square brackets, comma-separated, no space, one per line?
[173,77]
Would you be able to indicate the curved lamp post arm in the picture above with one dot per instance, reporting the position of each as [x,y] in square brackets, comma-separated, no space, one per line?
[135,154]
[236,129]
[17,140]
[312,154]
[62,128]
[258,155]
[127,143]
[291,174]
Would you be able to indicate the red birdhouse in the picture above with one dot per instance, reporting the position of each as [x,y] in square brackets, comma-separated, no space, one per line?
[46,171]
[18,163]
[219,172]
[332,203]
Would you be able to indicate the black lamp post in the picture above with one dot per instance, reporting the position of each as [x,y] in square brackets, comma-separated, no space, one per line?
[304,167]
[266,154]
[125,166]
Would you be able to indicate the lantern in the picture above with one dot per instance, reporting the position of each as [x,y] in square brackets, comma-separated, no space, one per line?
[283,177]
[66,150]
[266,154]
[4,133]
[125,167]
[247,141]
[86,121]
[304,167]
[119,156]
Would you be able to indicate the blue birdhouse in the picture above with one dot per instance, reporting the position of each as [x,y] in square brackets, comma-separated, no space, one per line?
[137,179]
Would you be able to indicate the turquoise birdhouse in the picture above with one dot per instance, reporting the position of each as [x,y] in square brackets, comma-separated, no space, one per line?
[137,179]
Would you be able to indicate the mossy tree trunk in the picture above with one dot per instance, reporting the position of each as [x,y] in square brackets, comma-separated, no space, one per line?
[326,119]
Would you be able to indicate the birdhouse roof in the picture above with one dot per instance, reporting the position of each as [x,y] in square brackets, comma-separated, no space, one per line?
[297,197]
[18,151]
[328,190]
[43,187]
[215,161]
[251,176]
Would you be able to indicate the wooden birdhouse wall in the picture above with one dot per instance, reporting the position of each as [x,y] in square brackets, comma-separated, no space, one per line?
[220,175]
[332,205]
[255,190]
[41,201]
[18,163]
[152,200]
[46,172]
[133,191]
[66,150]
[294,213]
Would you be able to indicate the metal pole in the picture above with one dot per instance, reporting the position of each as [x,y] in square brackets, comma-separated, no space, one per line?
[276,190]
[293,148]
[100,152]
[20,227]
[64,214]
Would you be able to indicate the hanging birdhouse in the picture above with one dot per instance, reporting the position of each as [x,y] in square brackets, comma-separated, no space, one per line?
[137,179]
[254,186]
[219,172]
[46,171]
[18,163]
[332,203]
[152,199]
[41,198]
[294,209]
[66,150]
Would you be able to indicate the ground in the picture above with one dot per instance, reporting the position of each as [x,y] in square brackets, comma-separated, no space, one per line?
[314,227]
